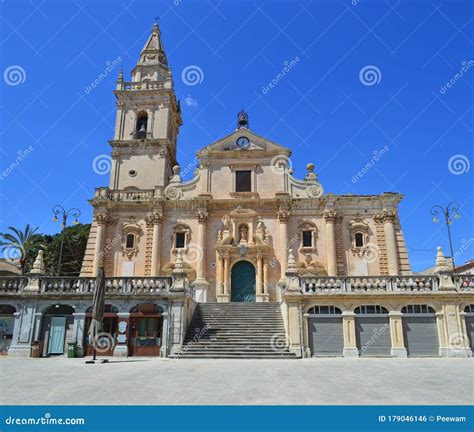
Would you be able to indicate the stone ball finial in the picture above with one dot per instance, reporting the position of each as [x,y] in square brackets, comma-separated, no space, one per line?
[176,169]
[310,167]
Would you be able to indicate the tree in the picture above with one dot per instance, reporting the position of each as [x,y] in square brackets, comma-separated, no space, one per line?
[75,242]
[21,246]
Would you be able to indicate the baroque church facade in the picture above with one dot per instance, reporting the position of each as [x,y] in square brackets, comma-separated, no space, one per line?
[245,260]
[236,220]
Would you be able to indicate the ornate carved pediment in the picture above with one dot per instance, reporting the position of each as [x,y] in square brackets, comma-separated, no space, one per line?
[129,243]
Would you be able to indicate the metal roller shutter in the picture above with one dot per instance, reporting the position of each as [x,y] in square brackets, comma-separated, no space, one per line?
[373,335]
[325,335]
[470,330]
[421,334]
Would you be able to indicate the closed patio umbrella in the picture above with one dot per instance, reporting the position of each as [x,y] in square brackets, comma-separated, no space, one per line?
[98,307]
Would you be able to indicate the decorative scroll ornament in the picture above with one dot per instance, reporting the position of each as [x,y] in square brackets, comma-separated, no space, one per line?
[174,193]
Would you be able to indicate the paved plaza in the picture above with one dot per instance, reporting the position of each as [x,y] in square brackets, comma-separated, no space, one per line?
[310,381]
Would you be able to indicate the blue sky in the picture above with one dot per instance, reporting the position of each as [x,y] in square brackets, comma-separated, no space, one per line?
[366,76]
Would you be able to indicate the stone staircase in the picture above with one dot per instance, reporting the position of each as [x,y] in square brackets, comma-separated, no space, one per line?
[236,330]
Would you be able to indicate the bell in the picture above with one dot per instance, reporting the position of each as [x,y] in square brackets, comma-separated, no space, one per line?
[142,128]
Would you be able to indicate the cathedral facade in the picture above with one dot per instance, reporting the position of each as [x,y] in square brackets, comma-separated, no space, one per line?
[245,260]
[240,214]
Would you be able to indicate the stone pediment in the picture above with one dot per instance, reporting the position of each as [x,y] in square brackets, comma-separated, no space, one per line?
[242,141]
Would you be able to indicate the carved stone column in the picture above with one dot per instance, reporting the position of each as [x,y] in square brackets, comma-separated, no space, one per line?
[349,332]
[331,251]
[396,334]
[391,242]
[201,284]
[101,220]
[225,296]
[157,220]
[283,217]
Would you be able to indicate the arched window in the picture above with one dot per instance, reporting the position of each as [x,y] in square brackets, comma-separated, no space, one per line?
[142,125]
[130,242]
[469,308]
[418,309]
[359,239]
[326,310]
[371,309]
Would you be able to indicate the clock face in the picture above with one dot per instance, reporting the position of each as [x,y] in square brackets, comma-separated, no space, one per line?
[243,142]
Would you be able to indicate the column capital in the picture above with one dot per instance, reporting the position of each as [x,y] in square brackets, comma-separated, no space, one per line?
[386,216]
[102,218]
[154,219]
[201,216]
[283,215]
[330,216]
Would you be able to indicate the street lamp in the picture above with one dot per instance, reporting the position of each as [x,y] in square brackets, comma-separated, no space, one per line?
[60,211]
[452,208]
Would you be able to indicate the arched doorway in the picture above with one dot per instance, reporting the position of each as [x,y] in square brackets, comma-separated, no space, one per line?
[146,330]
[243,282]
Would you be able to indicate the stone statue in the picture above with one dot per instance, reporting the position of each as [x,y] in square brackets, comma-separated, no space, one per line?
[243,231]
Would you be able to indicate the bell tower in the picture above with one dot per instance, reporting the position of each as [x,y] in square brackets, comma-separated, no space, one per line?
[147,121]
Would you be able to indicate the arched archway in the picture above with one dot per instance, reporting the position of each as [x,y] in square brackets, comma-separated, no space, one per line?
[7,323]
[56,328]
[243,282]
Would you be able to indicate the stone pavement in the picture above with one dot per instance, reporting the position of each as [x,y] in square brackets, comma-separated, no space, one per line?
[311,381]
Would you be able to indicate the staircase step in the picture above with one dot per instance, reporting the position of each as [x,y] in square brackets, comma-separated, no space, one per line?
[235,330]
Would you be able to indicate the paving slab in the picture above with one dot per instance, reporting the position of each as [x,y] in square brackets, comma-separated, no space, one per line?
[158,381]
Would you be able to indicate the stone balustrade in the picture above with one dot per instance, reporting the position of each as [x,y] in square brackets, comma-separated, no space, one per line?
[464,282]
[124,195]
[369,284]
[72,285]
[13,283]
[143,85]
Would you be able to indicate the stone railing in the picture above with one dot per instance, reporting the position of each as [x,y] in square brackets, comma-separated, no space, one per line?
[367,284]
[124,195]
[13,283]
[464,282]
[144,85]
[71,285]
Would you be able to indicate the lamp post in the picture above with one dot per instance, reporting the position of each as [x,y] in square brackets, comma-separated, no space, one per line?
[452,207]
[60,211]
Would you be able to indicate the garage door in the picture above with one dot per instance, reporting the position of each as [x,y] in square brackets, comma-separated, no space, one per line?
[373,331]
[469,314]
[325,331]
[420,330]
